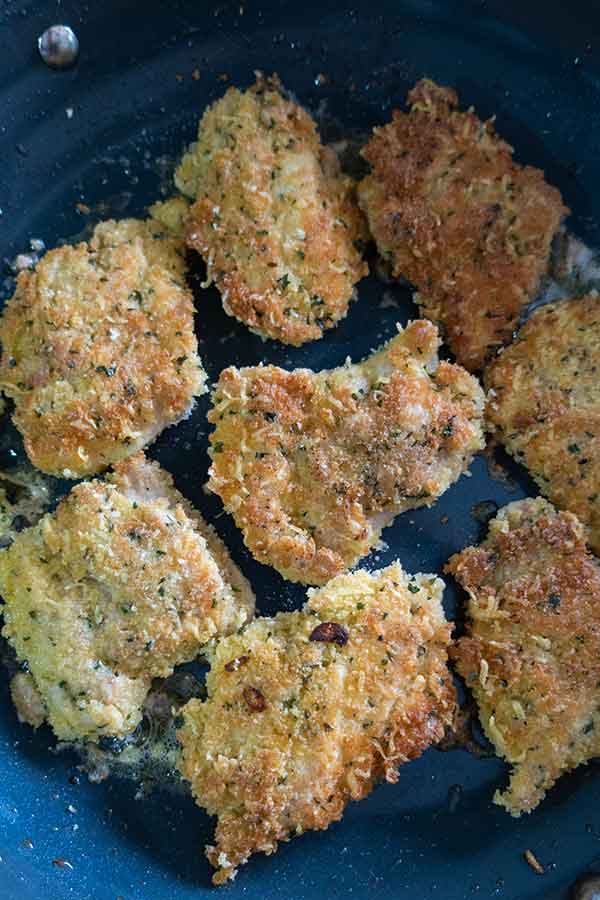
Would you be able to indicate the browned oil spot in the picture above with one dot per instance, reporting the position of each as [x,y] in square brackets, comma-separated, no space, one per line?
[496,469]
[460,735]
[484,511]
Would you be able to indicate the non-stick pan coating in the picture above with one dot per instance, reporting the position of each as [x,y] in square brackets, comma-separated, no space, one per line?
[134,105]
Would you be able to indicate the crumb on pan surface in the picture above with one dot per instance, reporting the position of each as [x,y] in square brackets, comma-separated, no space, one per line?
[456,216]
[273,217]
[308,710]
[98,348]
[116,587]
[544,404]
[531,653]
[313,465]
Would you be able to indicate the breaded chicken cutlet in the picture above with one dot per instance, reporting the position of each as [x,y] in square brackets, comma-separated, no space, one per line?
[116,587]
[274,219]
[544,404]
[532,651]
[312,466]
[453,214]
[308,710]
[98,348]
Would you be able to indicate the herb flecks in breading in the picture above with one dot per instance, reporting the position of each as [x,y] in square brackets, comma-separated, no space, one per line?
[98,348]
[313,465]
[274,219]
[544,404]
[116,587]
[286,739]
[452,213]
[531,655]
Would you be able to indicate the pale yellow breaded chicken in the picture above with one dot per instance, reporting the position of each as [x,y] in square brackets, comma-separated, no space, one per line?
[531,654]
[544,404]
[308,710]
[116,587]
[98,348]
[313,465]
[452,213]
[274,219]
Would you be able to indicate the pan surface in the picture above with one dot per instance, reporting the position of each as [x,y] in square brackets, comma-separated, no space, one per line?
[105,134]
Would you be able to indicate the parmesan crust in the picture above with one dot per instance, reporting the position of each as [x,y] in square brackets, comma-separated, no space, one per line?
[274,219]
[452,213]
[308,710]
[531,655]
[313,466]
[116,587]
[98,348]
[544,405]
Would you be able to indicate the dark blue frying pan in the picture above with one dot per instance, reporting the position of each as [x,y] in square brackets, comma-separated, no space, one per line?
[134,104]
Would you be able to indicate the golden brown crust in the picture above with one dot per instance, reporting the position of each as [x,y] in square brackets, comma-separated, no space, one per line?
[296,726]
[313,465]
[274,219]
[99,352]
[113,589]
[544,404]
[458,218]
[532,651]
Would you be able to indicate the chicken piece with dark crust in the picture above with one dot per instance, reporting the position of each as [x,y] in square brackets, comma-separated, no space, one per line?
[274,219]
[456,216]
[531,654]
[98,348]
[313,465]
[544,405]
[308,710]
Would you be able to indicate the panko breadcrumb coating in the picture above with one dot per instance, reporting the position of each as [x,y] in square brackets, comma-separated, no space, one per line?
[313,466]
[459,219]
[173,214]
[308,710]
[532,651]
[116,587]
[98,348]
[544,404]
[274,219]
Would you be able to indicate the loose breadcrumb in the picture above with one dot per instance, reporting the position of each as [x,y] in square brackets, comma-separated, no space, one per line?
[459,219]
[313,465]
[530,655]
[544,405]
[116,587]
[98,348]
[274,219]
[532,860]
[308,710]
